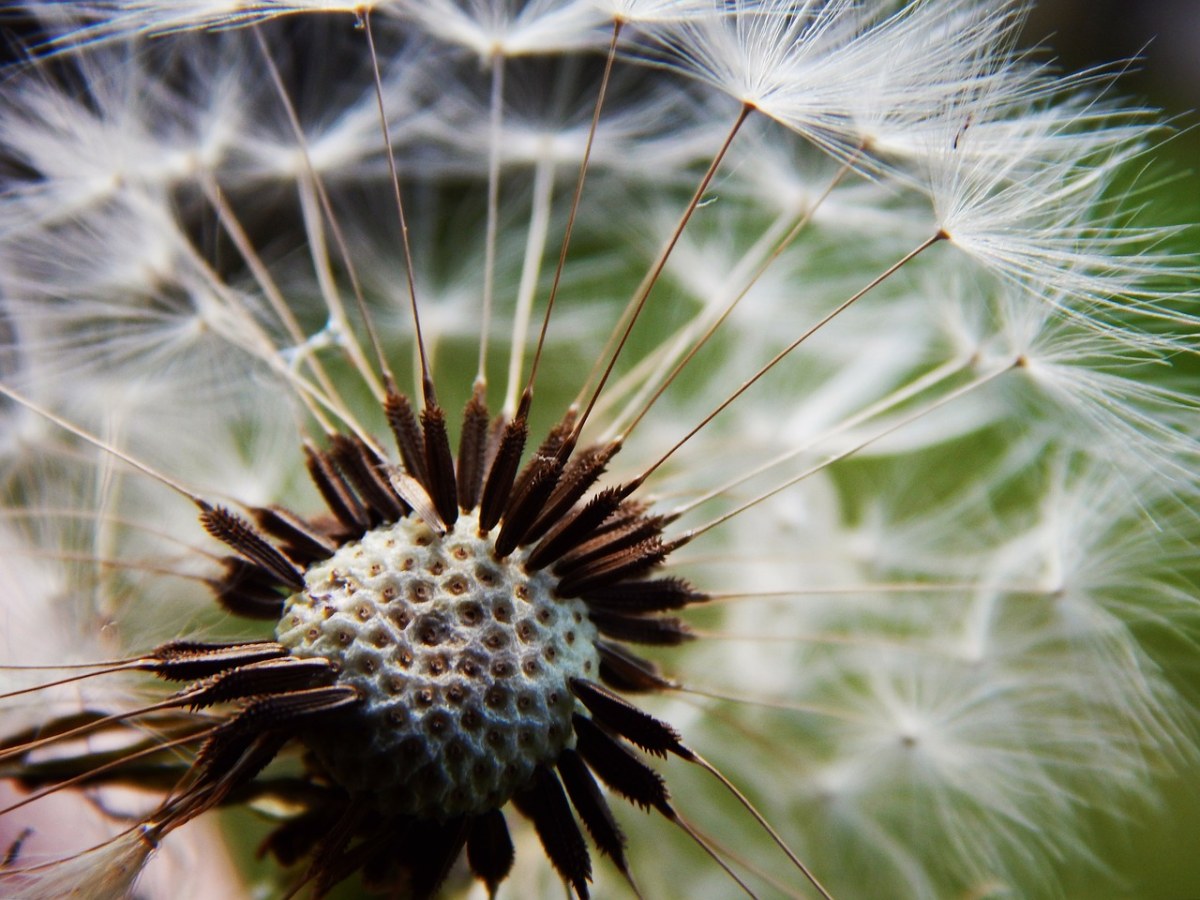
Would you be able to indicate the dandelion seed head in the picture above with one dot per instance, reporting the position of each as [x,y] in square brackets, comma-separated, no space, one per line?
[850,477]
[493,28]
[463,664]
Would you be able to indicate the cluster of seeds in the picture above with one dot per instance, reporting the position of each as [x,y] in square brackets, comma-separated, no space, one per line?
[462,662]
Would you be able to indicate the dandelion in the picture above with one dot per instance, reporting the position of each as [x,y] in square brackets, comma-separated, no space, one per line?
[817,522]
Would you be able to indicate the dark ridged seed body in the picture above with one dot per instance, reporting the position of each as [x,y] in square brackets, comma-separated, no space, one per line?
[462,661]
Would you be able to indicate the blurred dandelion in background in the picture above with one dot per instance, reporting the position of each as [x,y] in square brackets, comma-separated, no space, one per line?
[825,486]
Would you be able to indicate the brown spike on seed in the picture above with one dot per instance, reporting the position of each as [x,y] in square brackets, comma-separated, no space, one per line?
[495,436]
[361,467]
[584,469]
[619,531]
[575,527]
[627,512]
[546,805]
[272,676]
[490,849]
[593,809]
[223,763]
[608,542]
[239,535]
[472,452]
[286,710]
[407,432]
[633,724]
[625,671]
[278,716]
[439,464]
[620,769]
[498,484]
[556,443]
[657,631]
[336,493]
[248,590]
[656,595]
[627,563]
[527,502]
[299,540]
[188,660]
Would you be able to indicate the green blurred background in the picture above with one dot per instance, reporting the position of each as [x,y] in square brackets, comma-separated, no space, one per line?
[1161,38]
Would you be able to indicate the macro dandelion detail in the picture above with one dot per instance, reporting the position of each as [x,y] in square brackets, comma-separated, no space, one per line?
[819,519]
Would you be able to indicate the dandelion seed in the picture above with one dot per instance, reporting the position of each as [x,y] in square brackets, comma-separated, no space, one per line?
[817,482]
